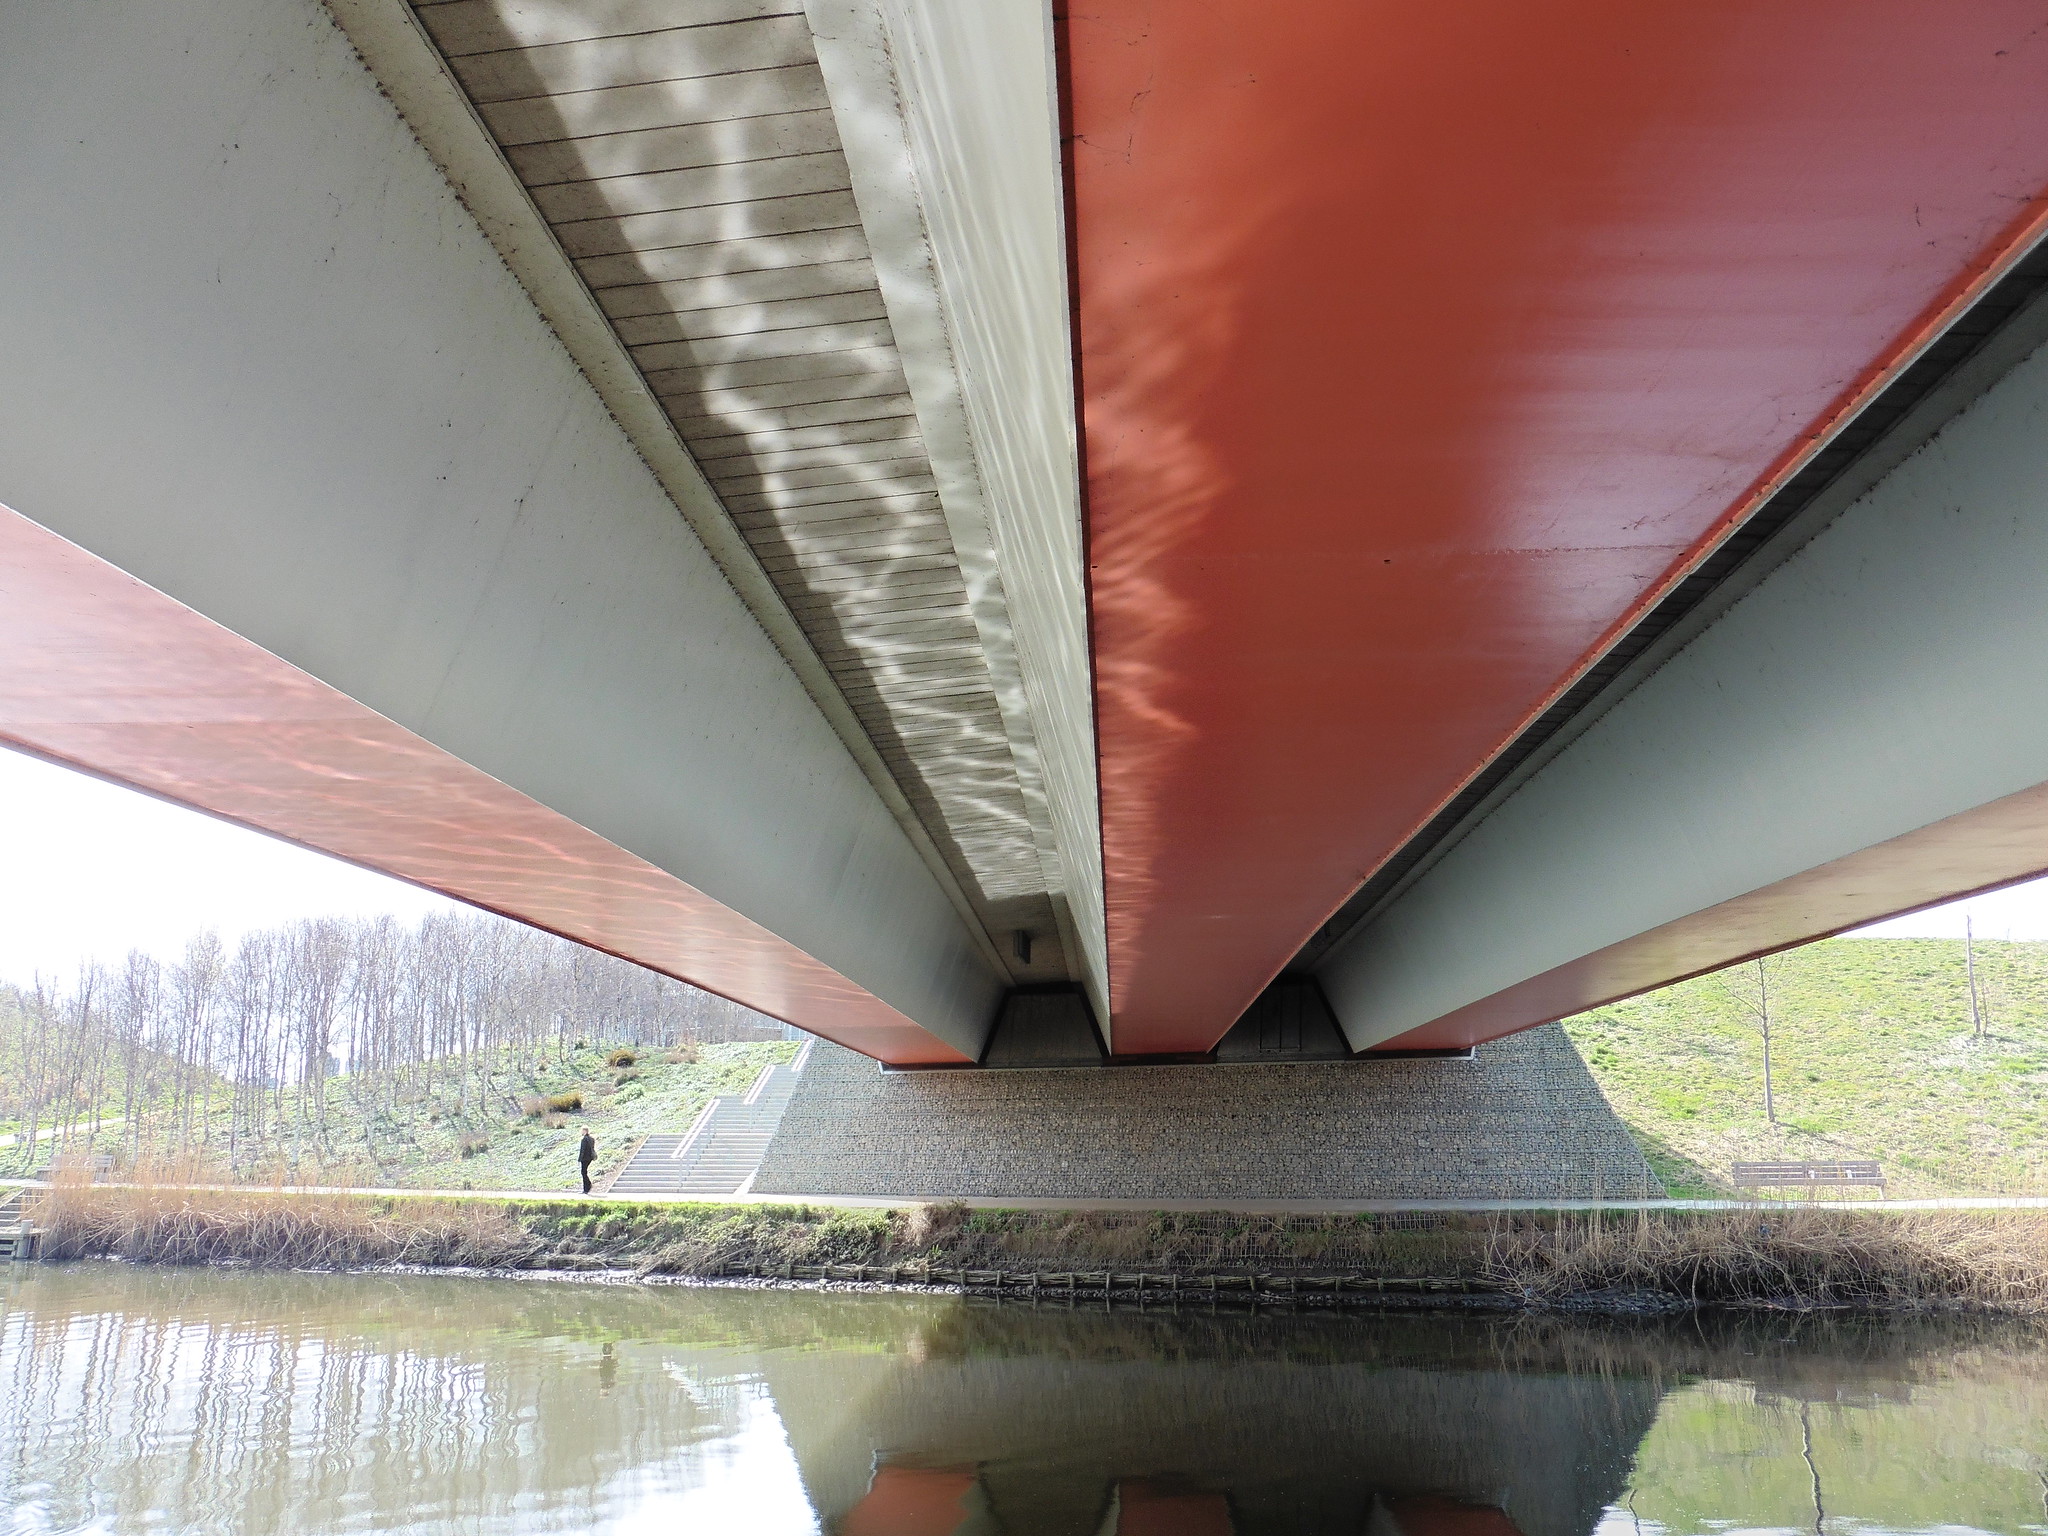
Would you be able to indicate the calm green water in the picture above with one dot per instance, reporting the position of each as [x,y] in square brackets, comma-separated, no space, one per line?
[184,1401]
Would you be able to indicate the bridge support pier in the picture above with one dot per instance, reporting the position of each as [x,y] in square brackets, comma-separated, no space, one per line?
[1521,1118]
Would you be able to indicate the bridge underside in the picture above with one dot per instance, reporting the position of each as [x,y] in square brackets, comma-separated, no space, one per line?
[1010,537]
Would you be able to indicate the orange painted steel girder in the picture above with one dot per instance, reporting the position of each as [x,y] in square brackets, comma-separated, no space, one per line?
[1422,347]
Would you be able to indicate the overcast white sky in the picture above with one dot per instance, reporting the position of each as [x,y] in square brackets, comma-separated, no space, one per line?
[88,869]
[2017,912]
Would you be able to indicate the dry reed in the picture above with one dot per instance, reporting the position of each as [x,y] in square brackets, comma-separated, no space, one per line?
[1844,1258]
[168,1223]
[1780,1256]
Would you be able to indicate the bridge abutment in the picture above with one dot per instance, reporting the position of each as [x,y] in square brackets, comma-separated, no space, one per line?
[1521,1118]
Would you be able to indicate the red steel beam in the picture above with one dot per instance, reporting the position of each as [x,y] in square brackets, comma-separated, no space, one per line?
[1423,347]
[103,673]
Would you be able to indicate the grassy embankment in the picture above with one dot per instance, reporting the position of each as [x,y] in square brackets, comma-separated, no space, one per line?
[502,1144]
[1821,1257]
[375,1131]
[1872,1057]
[1871,1042]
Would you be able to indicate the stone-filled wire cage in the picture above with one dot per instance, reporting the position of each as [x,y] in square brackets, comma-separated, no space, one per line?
[1386,1244]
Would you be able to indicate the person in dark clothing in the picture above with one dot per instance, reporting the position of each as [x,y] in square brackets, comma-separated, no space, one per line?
[586,1154]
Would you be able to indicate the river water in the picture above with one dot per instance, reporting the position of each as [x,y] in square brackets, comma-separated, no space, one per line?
[172,1401]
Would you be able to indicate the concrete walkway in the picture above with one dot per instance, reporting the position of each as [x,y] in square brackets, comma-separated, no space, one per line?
[1233,1207]
[51,1133]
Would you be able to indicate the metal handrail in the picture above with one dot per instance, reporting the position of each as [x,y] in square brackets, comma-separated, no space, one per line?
[696,1129]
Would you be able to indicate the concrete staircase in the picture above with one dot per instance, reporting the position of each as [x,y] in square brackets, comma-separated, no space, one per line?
[719,1153]
[17,1237]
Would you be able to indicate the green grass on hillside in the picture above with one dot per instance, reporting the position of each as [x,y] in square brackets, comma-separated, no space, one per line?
[1872,1057]
[378,1134]
[655,1095]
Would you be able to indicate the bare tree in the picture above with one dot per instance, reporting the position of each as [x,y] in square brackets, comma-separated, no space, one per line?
[235,1056]
[1756,1003]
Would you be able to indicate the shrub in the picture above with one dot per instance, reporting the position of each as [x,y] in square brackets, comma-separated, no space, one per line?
[626,1074]
[533,1106]
[566,1103]
[929,1226]
[620,1058]
[686,1054]
[473,1143]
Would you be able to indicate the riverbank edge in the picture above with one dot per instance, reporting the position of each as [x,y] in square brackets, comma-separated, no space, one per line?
[1034,1204]
[1157,1291]
[1623,1261]
[1157,1295]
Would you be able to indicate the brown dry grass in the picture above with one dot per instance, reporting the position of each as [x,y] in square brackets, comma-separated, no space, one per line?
[160,1220]
[1866,1259]
[1786,1256]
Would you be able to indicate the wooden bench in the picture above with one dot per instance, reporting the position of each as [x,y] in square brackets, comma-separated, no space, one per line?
[1807,1175]
[102,1164]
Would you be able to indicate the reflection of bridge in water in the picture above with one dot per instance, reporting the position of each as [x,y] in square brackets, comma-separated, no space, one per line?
[930,1501]
[1007,1421]
[246,1402]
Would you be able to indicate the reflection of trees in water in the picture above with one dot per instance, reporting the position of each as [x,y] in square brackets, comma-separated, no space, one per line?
[226,1403]
[1844,1423]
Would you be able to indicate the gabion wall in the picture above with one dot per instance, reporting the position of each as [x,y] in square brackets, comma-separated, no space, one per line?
[1523,1119]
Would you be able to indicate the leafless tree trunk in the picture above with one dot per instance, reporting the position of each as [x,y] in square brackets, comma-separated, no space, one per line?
[1758,1007]
[1970,974]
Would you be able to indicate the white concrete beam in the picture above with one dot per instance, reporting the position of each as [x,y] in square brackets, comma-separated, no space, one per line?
[258,355]
[391,40]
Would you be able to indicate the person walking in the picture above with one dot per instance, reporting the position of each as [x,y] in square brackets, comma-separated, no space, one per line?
[586,1154]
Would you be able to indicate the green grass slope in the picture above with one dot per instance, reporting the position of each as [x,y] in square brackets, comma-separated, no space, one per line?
[375,1131]
[1872,1056]
[422,1144]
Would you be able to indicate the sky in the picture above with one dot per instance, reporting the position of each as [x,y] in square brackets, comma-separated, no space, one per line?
[2017,912]
[88,869]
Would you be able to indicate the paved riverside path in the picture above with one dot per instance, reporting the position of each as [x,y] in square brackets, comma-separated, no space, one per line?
[86,1130]
[1239,1207]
